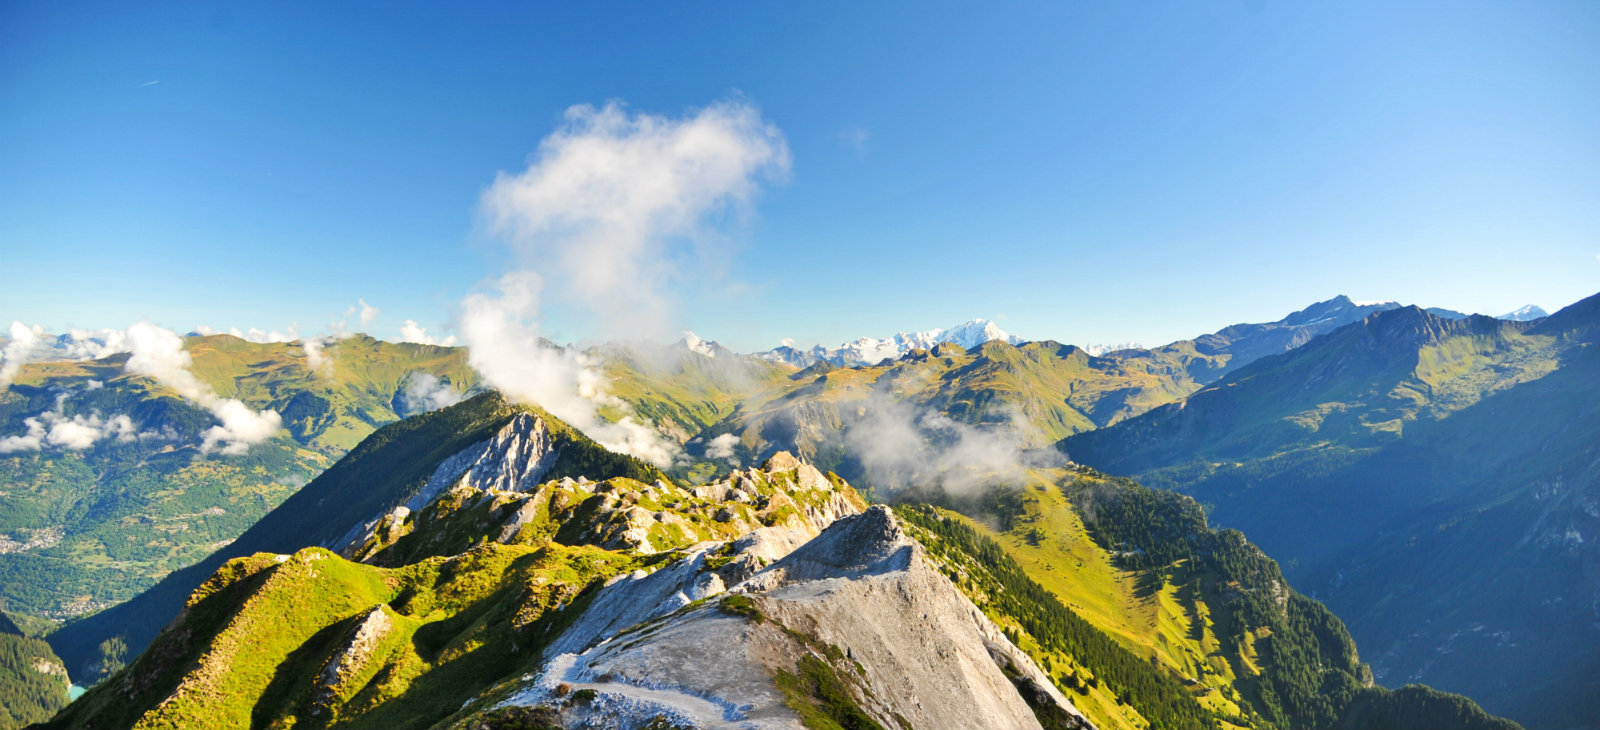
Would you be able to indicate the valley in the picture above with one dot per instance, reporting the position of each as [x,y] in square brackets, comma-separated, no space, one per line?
[985,431]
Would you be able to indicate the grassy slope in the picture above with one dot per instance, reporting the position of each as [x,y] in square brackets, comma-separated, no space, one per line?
[1056,390]
[467,615]
[1208,623]
[130,513]
[1457,458]
[682,392]
[400,456]
[1151,619]
[257,636]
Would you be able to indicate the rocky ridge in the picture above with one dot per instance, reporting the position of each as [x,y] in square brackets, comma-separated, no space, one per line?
[767,599]
[858,608]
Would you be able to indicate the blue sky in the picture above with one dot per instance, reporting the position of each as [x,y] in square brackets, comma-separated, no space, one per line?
[1089,172]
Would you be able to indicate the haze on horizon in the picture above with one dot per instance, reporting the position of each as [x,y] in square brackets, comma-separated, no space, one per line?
[1086,174]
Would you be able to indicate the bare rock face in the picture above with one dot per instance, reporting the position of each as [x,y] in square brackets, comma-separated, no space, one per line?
[781,461]
[513,460]
[929,655]
[711,566]
[859,603]
[355,653]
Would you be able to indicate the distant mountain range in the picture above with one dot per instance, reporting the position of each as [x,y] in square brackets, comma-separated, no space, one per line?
[974,333]
[81,494]
[872,350]
[1435,480]
[986,398]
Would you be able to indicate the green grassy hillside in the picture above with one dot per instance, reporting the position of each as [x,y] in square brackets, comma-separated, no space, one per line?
[1151,619]
[255,642]
[1134,606]
[378,474]
[92,527]
[1432,480]
[442,609]
[1049,390]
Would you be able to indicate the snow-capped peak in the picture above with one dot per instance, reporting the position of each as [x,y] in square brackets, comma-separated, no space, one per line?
[1524,314]
[1098,350]
[871,350]
[694,343]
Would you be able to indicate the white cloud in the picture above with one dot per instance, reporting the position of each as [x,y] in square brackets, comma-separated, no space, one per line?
[901,446]
[32,344]
[241,427]
[33,440]
[368,312]
[410,331]
[786,342]
[616,202]
[77,433]
[258,336]
[721,447]
[316,361]
[427,392]
[501,330]
[23,343]
[612,205]
[93,344]
[159,353]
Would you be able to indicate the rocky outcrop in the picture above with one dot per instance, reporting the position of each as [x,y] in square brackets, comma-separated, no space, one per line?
[859,605]
[349,660]
[513,460]
[709,567]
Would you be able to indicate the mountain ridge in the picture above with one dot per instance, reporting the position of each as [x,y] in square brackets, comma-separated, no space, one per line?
[1455,453]
[774,597]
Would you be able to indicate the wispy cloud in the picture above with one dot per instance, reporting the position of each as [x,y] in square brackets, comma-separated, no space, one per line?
[856,138]
[613,207]
[158,353]
[22,344]
[902,446]
[54,428]
[610,208]
[148,83]
[722,447]
[410,331]
[427,392]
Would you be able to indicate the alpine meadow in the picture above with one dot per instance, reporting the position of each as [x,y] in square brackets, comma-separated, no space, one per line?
[655,367]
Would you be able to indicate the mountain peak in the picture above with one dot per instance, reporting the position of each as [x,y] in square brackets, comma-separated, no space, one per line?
[1525,313]
[694,343]
[1338,308]
[969,335]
